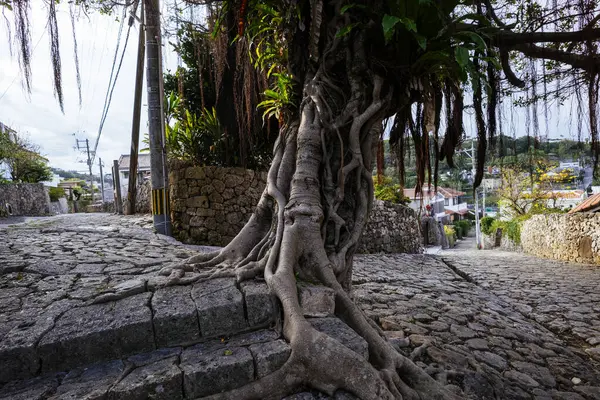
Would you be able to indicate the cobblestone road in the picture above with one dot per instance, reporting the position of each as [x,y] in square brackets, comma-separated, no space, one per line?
[497,325]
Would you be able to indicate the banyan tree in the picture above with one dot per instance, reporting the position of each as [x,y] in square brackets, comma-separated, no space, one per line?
[338,69]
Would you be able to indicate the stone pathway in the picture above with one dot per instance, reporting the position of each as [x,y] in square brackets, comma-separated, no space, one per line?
[81,288]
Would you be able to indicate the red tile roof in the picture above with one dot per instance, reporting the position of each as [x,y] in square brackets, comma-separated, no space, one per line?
[446,192]
[588,204]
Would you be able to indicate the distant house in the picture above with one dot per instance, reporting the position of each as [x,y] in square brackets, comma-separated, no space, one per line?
[565,199]
[591,204]
[445,203]
[143,171]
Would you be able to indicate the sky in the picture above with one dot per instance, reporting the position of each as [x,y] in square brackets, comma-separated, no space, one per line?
[40,116]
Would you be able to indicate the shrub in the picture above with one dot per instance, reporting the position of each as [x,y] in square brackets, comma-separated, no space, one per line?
[387,191]
[486,225]
[450,235]
[56,193]
[464,226]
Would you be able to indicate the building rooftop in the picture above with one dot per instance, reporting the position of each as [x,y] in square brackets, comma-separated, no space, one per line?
[143,162]
[592,203]
[446,192]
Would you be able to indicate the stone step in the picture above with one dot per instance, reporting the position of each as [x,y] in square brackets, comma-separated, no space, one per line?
[191,372]
[70,333]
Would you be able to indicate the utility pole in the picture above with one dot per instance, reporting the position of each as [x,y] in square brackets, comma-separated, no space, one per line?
[473,172]
[101,180]
[158,167]
[117,188]
[137,109]
[89,162]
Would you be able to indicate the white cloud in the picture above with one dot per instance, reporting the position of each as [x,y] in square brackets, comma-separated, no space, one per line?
[40,115]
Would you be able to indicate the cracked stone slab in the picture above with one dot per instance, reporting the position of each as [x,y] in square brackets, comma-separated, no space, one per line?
[341,332]
[98,332]
[175,316]
[18,354]
[89,383]
[260,303]
[270,356]
[161,380]
[208,370]
[31,389]
[220,307]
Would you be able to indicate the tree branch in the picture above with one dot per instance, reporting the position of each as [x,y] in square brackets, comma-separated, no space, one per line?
[584,62]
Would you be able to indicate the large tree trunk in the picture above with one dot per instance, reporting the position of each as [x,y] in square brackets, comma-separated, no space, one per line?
[307,226]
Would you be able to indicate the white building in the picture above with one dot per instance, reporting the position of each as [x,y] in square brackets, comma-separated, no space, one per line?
[143,171]
[445,203]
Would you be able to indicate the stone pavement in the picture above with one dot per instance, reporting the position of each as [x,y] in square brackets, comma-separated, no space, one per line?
[82,289]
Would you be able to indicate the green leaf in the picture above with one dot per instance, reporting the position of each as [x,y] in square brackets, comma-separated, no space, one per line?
[389,22]
[462,56]
[228,352]
[409,24]
[346,30]
[421,40]
[349,6]
[474,38]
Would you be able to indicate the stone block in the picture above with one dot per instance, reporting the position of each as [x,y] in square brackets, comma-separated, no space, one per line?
[197,201]
[89,383]
[341,332]
[270,356]
[218,185]
[220,307]
[161,380]
[98,332]
[209,370]
[316,301]
[32,389]
[195,173]
[260,303]
[175,317]
[47,268]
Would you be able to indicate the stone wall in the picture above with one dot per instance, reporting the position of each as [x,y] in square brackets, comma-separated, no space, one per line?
[210,205]
[568,237]
[392,228]
[143,203]
[59,207]
[24,199]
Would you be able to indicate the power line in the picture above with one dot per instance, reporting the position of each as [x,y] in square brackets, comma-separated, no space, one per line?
[110,90]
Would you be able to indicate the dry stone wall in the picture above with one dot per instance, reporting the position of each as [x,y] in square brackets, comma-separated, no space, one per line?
[568,237]
[392,228]
[24,199]
[210,205]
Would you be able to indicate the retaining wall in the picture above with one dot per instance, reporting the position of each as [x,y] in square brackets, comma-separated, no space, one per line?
[210,205]
[392,228]
[568,237]
[28,199]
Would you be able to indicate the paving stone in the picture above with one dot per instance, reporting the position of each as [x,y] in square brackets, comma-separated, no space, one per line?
[220,307]
[492,359]
[316,301]
[89,383]
[540,374]
[462,331]
[523,380]
[447,357]
[175,317]
[270,356]
[477,344]
[32,389]
[98,332]
[209,371]
[260,303]
[338,330]
[47,267]
[161,380]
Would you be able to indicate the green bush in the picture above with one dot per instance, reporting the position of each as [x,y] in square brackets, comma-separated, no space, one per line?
[450,234]
[387,191]
[56,193]
[486,225]
[464,225]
